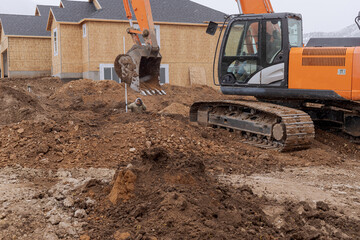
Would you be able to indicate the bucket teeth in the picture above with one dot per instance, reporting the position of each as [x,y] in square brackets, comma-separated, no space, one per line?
[151,92]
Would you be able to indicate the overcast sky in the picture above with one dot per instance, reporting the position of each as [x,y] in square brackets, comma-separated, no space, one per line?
[318,15]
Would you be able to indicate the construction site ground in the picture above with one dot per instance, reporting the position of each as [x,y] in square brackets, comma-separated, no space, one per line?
[74,165]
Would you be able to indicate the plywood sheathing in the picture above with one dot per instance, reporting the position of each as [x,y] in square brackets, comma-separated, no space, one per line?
[71,48]
[29,54]
[197,75]
[3,47]
[97,5]
[183,47]
[106,42]
[4,40]
[37,12]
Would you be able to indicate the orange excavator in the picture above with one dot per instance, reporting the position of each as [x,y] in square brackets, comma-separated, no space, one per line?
[262,55]
[140,66]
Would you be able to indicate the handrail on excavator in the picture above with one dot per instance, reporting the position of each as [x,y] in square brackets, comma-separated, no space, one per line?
[357,20]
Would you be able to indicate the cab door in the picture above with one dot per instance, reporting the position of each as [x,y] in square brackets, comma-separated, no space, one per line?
[240,56]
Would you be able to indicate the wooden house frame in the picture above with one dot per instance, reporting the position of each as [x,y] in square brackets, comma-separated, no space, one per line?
[87,36]
[25,44]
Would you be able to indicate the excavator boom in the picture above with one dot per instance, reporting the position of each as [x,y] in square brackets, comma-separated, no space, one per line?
[140,66]
[254,6]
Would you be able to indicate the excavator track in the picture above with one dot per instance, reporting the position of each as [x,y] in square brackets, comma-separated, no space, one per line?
[264,125]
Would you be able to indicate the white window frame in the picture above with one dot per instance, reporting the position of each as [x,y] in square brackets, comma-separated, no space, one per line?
[157,31]
[166,66]
[84,30]
[56,41]
[102,72]
[103,66]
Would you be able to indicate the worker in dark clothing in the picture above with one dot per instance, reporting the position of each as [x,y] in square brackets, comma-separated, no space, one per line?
[138,106]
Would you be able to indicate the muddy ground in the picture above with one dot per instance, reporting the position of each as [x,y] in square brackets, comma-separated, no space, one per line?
[74,165]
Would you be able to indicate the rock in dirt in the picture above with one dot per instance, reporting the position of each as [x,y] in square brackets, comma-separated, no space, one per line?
[84,237]
[20,130]
[90,202]
[123,187]
[148,144]
[67,228]
[68,202]
[50,236]
[43,148]
[122,235]
[80,213]
[322,206]
[59,196]
[3,215]
[54,219]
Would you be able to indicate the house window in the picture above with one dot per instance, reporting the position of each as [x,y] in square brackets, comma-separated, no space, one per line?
[164,74]
[56,42]
[107,72]
[84,30]
[157,33]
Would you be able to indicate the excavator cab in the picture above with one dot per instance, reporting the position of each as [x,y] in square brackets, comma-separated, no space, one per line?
[255,50]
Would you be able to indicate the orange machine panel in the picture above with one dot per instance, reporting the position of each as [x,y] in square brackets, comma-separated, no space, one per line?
[322,69]
[256,6]
[356,76]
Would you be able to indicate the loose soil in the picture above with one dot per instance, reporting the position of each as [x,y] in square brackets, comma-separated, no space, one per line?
[173,180]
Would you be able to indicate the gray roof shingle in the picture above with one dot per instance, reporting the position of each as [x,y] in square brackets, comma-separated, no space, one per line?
[24,25]
[178,11]
[44,10]
[73,11]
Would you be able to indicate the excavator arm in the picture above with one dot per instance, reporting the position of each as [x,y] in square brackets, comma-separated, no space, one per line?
[140,66]
[142,10]
[254,6]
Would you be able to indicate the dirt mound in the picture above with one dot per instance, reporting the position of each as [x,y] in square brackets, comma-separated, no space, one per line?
[176,108]
[17,105]
[102,96]
[170,196]
[174,197]
[87,94]
[168,169]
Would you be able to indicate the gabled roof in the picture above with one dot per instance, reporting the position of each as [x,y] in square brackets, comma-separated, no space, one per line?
[176,11]
[24,25]
[73,11]
[44,10]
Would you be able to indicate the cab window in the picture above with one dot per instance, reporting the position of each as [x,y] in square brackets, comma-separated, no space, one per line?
[273,40]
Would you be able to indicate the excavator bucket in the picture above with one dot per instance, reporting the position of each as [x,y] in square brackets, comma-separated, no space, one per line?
[140,67]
